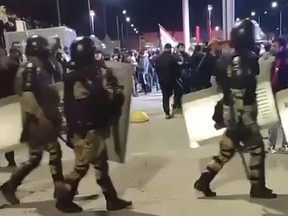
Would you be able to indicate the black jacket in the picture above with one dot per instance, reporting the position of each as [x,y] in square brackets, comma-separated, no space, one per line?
[167,69]
[206,69]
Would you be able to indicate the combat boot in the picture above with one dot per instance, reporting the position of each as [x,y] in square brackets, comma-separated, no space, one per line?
[117,204]
[203,183]
[261,192]
[68,206]
[9,194]
[65,202]
[60,188]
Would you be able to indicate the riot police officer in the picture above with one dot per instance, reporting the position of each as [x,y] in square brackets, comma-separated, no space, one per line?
[237,77]
[41,119]
[89,114]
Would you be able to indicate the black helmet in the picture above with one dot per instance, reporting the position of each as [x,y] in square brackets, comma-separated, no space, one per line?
[243,35]
[37,46]
[83,51]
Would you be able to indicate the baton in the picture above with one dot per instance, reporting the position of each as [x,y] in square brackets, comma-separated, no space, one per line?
[244,163]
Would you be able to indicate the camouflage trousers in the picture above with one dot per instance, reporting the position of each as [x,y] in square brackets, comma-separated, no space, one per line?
[251,138]
[91,149]
[37,145]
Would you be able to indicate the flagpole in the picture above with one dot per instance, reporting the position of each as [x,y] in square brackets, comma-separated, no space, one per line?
[58,13]
[228,17]
[186,23]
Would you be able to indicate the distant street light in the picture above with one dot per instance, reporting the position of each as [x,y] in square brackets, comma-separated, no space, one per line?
[253,14]
[136,32]
[238,19]
[209,8]
[92,15]
[124,12]
[135,29]
[266,12]
[274,4]
[217,28]
[132,25]
[128,19]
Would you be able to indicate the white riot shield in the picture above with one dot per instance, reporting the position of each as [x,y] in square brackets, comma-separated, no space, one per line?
[198,109]
[10,123]
[282,104]
[117,143]
[11,120]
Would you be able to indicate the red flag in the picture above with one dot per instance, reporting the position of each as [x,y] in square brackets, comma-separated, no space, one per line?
[198,36]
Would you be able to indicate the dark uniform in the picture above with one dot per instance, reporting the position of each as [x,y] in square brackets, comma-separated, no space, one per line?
[168,71]
[238,82]
[41,119]
[90,106]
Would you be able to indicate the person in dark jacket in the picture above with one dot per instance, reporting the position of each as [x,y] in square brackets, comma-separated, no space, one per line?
[280,74]
[207,65]
[279,81]
[184,63]
[167,69]
[195,59]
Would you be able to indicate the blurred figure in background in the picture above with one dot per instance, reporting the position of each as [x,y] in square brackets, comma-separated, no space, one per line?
[208,64]
[143,71]
[155,79]
[279,79]
[194,62]
[3,24]
[183,61]
[167,69]
[132,60]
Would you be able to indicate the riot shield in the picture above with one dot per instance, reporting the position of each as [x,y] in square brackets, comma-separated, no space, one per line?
[10,123]
[117,143]
[199,107]
[11,120]
[282,104]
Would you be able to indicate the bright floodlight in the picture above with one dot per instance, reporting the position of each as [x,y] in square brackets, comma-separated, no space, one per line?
[238,19]
[217,28]
[124,12]
[132,25]
[274,4]
[253,13]
[92,13]
[210,8]
[128,19]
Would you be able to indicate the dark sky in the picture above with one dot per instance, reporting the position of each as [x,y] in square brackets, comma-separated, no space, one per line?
[145,14]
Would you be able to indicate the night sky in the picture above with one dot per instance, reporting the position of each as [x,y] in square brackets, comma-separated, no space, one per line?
[145,14]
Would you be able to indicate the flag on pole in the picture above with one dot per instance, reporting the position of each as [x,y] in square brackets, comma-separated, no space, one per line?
[166,37]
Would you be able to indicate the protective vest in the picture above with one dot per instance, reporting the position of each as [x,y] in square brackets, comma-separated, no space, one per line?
[39,81]
[239,89]
[92,100]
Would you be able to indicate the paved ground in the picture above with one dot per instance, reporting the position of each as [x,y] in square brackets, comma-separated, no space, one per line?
[158,177]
